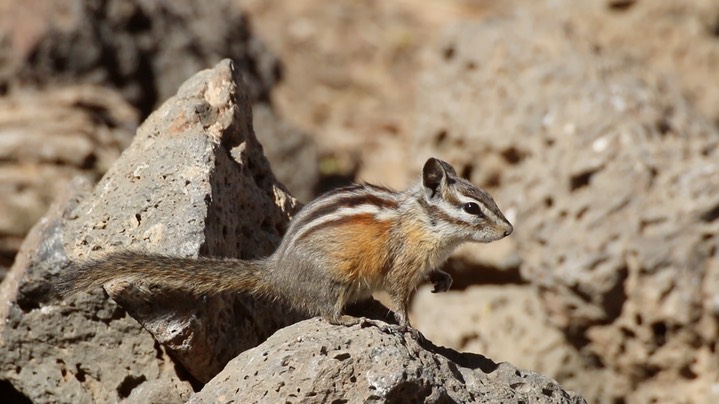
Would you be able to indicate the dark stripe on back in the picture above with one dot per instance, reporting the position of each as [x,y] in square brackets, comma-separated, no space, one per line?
[350,201]
[335,223]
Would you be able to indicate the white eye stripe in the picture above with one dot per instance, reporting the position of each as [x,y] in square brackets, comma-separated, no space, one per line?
[453,211]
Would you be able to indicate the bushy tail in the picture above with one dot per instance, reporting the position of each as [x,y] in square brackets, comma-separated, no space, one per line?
[195,276]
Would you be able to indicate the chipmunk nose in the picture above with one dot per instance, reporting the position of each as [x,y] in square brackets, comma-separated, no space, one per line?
[509,230]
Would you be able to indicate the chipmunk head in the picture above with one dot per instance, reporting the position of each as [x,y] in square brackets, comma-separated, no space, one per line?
[458,209]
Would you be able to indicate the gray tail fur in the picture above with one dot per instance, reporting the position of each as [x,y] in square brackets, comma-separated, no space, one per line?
[195,276]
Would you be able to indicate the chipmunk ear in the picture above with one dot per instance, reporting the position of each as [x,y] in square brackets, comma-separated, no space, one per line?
[435,174]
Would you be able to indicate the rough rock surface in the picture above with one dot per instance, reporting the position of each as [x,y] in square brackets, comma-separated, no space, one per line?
[503,322]
[613,180]
[656,34]
[145,48]
[142,49]
[47,138]
[292,153]
[314,362]
[194,181]
[87,352]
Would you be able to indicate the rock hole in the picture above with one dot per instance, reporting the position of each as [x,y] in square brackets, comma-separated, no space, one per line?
[513,156]
[613,300]
[411,392]
[660,332]
[129,384]
[440,137]
[687,373]
[494,180]
[89,161]
[342,356]
[339,401]
[206,113]
[580,180]
[471,65]
[621,5]
[548,392]
[626,332]
[710,215]
[714,27]
[353,379]
[80,374]
[448,53]
[663,126]
[548,202]
[467,171]
[138,22]
[63,370]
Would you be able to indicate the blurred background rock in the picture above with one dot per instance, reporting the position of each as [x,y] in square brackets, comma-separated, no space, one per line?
[594,124]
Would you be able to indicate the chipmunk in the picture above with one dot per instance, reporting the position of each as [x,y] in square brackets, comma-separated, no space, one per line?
[339,249]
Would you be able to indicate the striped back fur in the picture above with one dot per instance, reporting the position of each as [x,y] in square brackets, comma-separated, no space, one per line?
[341,206]
[444,203]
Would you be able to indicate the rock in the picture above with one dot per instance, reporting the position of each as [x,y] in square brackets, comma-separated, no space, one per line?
[293,154]
[610,177]
[47,138]
[506,323]
[313,361]
[481,316]
[87,352]
[194,181]
[144,48]
[655,33]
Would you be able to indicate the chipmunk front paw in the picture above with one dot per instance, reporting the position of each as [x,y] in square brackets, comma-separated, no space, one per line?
[441,281]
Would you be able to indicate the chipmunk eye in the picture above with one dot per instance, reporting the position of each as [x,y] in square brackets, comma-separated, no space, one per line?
[472,208]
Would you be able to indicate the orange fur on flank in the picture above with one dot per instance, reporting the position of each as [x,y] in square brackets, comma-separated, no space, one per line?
[361,251]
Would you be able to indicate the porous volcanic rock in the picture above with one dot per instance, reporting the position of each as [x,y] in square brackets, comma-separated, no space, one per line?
[47,138]
[194,181]
[611,178]
[140,49]
[144,48]
[314,362]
